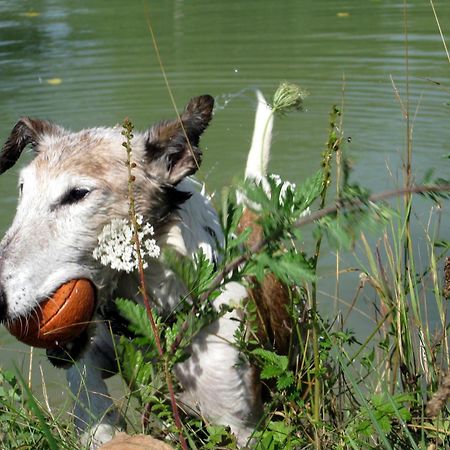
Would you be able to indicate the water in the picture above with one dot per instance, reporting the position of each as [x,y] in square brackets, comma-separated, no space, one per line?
[93,64]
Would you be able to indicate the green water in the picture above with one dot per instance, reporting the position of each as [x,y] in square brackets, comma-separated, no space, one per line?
[93,63]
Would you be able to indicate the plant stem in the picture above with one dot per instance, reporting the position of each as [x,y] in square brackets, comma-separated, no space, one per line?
[128,128]
[440,29]
[332,145]
[407,180]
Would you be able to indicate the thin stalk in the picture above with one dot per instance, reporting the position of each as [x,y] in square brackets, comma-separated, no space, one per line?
[30,368]
[128,129]
[169,89]
[408,163]
[332,146]
[440,30]
[339,173]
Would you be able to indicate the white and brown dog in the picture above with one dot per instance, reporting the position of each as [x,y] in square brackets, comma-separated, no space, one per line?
[75,185]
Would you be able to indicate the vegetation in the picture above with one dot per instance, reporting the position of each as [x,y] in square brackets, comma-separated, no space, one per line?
[333,389]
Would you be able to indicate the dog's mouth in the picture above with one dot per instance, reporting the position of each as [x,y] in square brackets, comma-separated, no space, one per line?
[60,319]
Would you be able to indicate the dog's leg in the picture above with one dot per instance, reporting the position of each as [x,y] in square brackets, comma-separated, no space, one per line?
[218,382]
[94,411]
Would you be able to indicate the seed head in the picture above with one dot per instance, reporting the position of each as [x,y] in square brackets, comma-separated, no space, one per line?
[288,97]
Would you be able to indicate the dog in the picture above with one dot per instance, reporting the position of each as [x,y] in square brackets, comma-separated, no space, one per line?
[75,185]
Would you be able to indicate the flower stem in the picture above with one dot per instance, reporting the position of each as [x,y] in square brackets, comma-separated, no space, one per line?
[128,133]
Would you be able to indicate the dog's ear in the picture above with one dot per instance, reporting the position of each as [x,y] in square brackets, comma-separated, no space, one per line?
[26,131]
[172,147]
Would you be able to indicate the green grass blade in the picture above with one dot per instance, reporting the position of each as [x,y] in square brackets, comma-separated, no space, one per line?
[53,445]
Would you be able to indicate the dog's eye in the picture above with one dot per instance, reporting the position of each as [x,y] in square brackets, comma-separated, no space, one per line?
[74,195]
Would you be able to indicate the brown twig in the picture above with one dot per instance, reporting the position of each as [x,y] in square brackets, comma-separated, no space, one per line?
[439,398]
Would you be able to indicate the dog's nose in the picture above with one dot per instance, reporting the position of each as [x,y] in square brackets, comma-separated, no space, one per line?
[3,306]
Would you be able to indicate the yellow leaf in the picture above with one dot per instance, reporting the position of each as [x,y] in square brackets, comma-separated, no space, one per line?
[343,14]
[54,81]
[31,14]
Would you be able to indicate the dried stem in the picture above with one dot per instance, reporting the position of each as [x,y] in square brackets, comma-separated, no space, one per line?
[440,397]
[169,89]
[440,30]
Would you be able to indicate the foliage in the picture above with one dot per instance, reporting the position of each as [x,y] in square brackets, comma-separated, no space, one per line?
[364,403]
[25,423]
[333,388]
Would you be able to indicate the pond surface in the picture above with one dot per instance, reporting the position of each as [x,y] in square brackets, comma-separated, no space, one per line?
[84,64]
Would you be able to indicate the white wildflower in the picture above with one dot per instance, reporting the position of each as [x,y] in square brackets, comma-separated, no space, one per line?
[116,247]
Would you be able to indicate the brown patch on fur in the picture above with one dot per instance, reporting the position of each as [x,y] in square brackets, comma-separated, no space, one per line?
[271,297]
[249,219]
[272,301]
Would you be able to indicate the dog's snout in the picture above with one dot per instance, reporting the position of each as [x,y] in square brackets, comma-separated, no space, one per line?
[3,305]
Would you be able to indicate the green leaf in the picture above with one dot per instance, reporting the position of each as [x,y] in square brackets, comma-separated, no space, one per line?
[289,267]
[309,190]
[442,244]
[196,273]
[139,322]
[286,380]
[273,365]
[137,369]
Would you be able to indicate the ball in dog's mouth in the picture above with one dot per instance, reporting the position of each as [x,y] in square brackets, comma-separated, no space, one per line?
[59,319]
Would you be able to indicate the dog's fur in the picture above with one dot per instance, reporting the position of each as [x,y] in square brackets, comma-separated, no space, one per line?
[76,184]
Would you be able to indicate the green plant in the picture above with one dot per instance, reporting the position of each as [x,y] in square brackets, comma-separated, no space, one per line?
[25,422]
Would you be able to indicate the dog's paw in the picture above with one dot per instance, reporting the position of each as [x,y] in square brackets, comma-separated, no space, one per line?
[98,435]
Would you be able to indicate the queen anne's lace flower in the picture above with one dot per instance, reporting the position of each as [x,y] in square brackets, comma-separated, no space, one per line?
[116,247]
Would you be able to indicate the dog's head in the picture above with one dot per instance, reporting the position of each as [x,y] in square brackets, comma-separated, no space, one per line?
[75,185]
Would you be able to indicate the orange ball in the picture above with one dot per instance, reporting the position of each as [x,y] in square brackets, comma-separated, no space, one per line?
[60,319]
